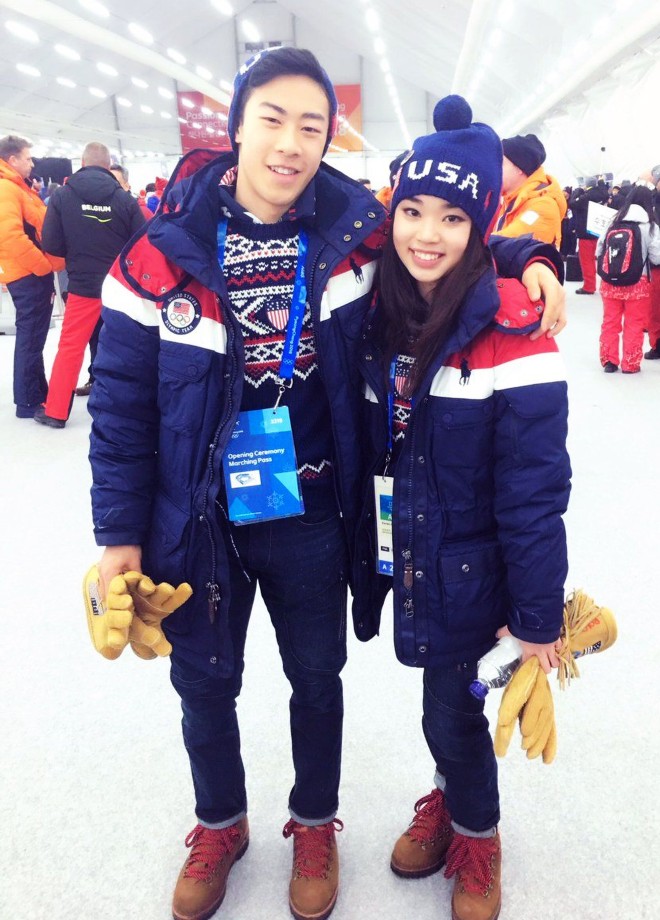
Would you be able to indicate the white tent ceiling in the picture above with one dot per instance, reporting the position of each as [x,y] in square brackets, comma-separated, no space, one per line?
[517,61]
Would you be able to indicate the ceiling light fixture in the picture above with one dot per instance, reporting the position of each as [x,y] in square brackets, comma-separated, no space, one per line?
[165,114]
[140,33]
[223,6]
[139,82]
[146,109]
[67,52]
[95,7]
[107,69]
[28,70]
[64,81]
[371,19]
[176,56]
[165,93]
[18,30]
[99,93]
[250,31]
[122,100]
[203,72]
[379,45]
[188,103]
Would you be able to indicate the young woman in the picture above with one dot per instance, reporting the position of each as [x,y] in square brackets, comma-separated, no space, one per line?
[626,308]
[466,420]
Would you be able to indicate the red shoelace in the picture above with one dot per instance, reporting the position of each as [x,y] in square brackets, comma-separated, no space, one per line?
[208,848]
[472,858]
[312,847]
[430,816]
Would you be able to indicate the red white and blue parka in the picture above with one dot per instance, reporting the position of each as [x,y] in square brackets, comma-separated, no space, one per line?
[481,481]
[164,402]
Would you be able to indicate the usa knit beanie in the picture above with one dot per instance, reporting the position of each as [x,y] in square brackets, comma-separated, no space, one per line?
[251,69]
[460,162]
[525,151]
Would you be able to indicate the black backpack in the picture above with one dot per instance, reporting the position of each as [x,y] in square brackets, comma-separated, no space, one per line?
[621,262]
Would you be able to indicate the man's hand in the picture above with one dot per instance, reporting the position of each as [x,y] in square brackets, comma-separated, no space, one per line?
[116,560]
[542,284]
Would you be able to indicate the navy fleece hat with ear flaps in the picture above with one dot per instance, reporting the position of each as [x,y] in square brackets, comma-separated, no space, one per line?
[461,162]
[241,85]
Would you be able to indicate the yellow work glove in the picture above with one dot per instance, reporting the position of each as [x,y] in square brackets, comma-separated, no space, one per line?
[152,604]
[537,721]
[109,621]
[528,698]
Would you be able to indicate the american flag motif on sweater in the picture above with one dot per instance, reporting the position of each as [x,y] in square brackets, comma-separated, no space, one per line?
[260,271]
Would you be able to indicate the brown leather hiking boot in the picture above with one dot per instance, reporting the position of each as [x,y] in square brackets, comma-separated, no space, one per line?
[315,875]
[422,849]
[202,882]
[477,864]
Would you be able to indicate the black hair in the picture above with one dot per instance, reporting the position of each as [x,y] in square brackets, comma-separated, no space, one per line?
[150,187]
[283,62]
[414,326]
[640,195]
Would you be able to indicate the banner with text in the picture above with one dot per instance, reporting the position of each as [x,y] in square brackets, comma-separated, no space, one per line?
[202,124]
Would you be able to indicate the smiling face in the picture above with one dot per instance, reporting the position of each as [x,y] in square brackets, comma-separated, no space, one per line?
[281,139]
[430,236]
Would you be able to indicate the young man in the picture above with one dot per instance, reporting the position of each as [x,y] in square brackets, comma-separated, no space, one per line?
[26,270]
[88,222]
[248,290]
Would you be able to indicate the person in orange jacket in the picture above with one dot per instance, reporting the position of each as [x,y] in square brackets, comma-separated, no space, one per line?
[533,203]
[26,270]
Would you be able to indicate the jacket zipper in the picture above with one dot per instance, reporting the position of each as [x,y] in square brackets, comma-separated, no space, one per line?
[408,604]
[213,587]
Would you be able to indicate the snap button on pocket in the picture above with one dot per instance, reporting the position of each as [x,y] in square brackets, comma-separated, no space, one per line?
[465,568]
[447,417]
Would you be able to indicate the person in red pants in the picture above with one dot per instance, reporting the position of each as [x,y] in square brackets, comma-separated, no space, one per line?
[594,190]
[626,308]
[88,221]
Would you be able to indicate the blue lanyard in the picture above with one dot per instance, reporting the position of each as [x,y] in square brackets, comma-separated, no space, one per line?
[390,411]
[298,302]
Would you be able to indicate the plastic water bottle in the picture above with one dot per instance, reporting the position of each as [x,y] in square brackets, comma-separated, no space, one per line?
[496,667]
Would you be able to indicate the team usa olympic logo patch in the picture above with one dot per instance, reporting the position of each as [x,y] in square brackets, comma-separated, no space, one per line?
[181,313]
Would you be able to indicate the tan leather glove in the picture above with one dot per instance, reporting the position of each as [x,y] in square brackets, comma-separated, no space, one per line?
[528,699]
[109,621]
[537,721]
[152,604]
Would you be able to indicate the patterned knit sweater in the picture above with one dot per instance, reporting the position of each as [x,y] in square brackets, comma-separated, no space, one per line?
[260,269]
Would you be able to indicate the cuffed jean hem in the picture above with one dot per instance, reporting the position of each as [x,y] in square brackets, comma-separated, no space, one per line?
[312,822]
[440,781]
[482,835]
[221,825]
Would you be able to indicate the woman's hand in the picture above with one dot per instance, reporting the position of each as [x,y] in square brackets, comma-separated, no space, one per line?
[542,284]
[545,652]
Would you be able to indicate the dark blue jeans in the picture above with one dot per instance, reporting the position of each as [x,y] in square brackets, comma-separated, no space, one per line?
[33,300]
[456,732]
[301,567]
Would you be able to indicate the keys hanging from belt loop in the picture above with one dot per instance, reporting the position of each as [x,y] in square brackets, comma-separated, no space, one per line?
[284,385]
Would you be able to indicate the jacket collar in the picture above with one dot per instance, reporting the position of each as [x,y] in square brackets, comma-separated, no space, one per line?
[336,209]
